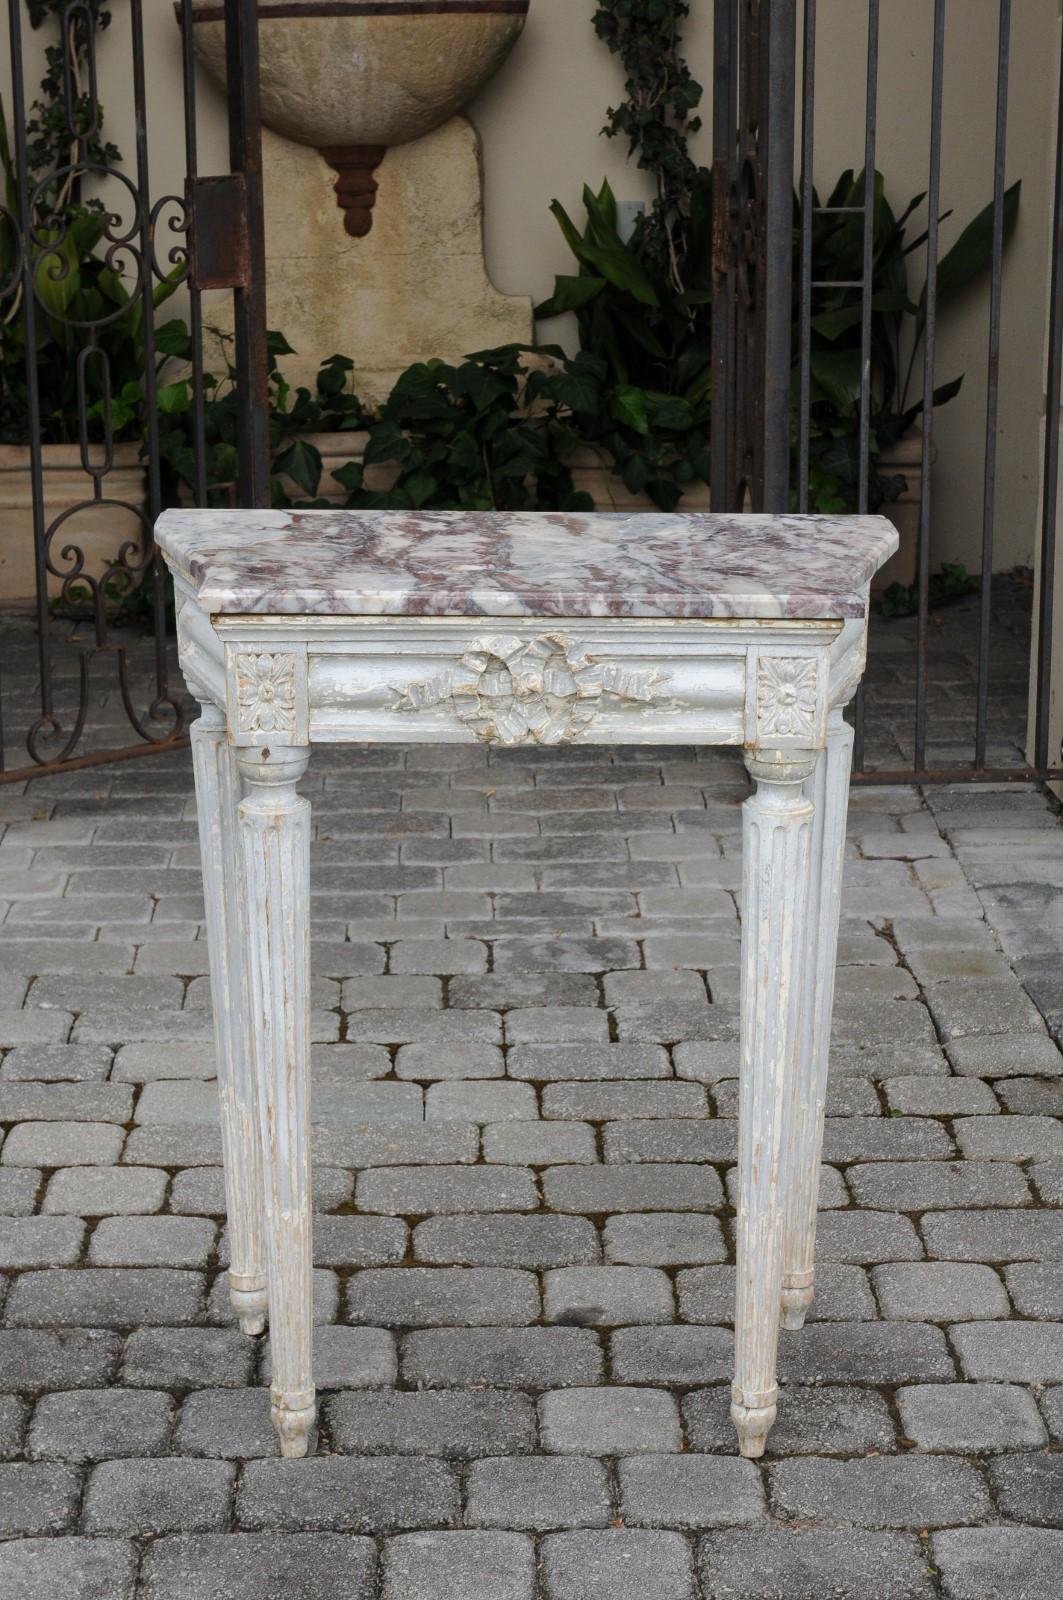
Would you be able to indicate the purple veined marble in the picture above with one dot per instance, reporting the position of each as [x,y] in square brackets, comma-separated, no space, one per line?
[526,564]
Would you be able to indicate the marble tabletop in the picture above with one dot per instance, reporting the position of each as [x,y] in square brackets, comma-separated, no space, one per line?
[525,564]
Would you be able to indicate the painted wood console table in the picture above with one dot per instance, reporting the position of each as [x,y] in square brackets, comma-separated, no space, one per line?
[297,628]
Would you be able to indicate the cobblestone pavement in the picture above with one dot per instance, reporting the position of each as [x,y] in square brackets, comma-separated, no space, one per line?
[525,1013]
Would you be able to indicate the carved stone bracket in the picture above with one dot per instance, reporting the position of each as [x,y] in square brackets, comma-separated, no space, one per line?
[546,690]
[788,699]
[266,692]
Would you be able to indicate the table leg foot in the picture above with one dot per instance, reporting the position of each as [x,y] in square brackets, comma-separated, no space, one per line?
[250,1302]
[752,1424]
[796,1301]
[294,1424]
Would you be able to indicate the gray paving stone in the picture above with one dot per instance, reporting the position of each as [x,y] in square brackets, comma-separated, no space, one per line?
[18,1190]
[150,1063]
[153,1497]
[1004,1055]
[808,1563]
[347,1358]
[492,1566]
[77,1358]
[556,1024]
[676,1022]
[227,1424]
[539,1144]
[985,1563]
[65,1102]
[588,1062]
[866,1352]
[391,992]
[1029,1488]
[663,1187]
[607,1296]
[325,1290]
[429,1027]
[708,1060]
[602,1102]
[187,1358]
[866,1236]
[40,1241]
[55,1063]
[506,1241]
[811,1421]
[447,1062]
[152,1242]
[396,1144]
[192,1145]
[617,1564]
[1047,1177]
[881,1492]
[1031,1097]
[444,956]
[37,1498]
[77,1569]
[33,956]
[440,1297]
[1017,1352]
[670,1139]
[417,1190]
[970,1418]
[707,1294]
[937,1185]
[884,1061]
[13,1414]
[609,1422]
[347,1241]
[94,1424]
[689,1492]
[115,1297]
[671,1355]
[175,1102]
[348,1494]
[480,1101]
[502,990]
[245,1566]
[62,1144]
[663,1239]
[105,1191]
[994,1236]
[884,1139]
[200,1191]
[34,1027]
[442,1423]
[509,1358]
[1036,1289]
[538,1493]
[982,1006]
[941,1097]
[1010,1138]
[939,1291]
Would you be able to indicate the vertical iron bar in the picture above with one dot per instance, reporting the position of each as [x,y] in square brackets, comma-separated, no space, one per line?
[721,488]
[245,154]
[808,137]
[1050,492]
[29,312]
[195,310]
[992,383]
[153,574]
[775,310]
[929,337]
[868,266]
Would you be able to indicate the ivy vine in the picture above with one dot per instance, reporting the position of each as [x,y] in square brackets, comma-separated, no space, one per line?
[61,138]
[658,118]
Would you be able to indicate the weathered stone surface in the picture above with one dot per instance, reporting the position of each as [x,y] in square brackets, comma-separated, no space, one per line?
[492,1566]
[617,1565]
[881,1492]
[801,1564]
[77,1569]
[971,1418]
[155,1497]
[244,1566]
[348,1494]
[982,1563]
[455,1424]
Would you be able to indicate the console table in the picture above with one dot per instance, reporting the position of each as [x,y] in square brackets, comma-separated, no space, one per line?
[304,627]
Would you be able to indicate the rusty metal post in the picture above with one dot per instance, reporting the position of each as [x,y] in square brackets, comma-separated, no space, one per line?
[249,299]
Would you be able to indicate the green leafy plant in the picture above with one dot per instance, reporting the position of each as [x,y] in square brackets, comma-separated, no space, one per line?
[898,325]
[657,118]
[951,583]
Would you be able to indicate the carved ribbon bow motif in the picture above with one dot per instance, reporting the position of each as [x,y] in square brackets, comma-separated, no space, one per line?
[540,691]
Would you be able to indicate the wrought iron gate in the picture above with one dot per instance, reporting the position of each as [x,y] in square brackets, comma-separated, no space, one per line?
[769,294]
[92,371]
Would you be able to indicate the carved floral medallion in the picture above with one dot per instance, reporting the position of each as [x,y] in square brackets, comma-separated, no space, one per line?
[265,693]
[787,697]
[546,690]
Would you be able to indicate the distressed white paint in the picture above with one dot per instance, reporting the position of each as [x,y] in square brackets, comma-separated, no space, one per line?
[275,839]
[217,794]
[776,845]
[773,684]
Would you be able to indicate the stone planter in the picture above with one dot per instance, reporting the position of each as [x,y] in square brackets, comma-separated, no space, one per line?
[99,531]
[592,473]
[904,459]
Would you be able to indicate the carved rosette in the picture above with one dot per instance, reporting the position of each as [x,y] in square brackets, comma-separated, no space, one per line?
[546,690]
[265,693]
[787,698]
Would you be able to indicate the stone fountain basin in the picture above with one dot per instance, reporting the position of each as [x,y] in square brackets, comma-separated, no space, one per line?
[366,72]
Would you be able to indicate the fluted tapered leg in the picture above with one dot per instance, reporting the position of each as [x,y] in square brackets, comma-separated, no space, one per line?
[776,843]
[217,795]
[829,787]
[275,836]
